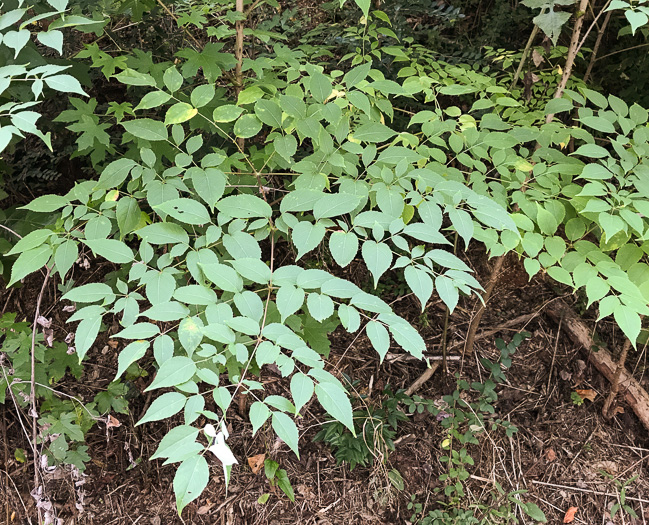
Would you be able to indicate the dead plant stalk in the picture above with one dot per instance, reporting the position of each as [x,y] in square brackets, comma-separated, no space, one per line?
[32,381]
[475,321]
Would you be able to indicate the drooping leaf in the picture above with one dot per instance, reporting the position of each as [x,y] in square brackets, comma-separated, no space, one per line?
[301,390]
[377,257]
[190,480]
[286,430]
[335,401]
[379,337]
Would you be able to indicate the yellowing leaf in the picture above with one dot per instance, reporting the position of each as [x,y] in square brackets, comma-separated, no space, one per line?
[179,113]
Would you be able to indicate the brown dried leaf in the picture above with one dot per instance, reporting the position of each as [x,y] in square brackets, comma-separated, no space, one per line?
[256,462]
[44,321]
[587,393]
[570,515]
[550,454]
[566,376]
[608,466]
[112,422]
[204,509]
[537,58]
[48,334]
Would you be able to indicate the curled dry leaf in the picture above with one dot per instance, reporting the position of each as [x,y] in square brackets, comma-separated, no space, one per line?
[256,462]
[565,375]
[204,509]
[112,422]
[44,321]
[48,334]
[587,394]
[570,515]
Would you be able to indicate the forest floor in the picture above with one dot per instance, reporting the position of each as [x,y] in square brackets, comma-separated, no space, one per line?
[563,455]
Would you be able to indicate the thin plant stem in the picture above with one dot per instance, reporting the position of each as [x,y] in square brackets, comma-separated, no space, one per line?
[572,54]
[475,322]
[187,32]
[238,53]
[598,42]
[10,231]
[621,51]
[526,51]
[32,382]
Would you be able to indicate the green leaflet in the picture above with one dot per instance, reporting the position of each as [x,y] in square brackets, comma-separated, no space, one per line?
[289,300]
[343,247]
[131,353]
[379,337]
[173,372]
[30,261]
[146,128]
[190,480]
[111,249]
[259,414]
[302,389]
[420,283]
[244,207]
[286,430]
[335,401]
[306,236]
[90,293]
[377,257]
[178,438]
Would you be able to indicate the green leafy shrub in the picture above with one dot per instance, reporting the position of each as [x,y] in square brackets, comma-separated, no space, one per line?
[206,186]
[23,63]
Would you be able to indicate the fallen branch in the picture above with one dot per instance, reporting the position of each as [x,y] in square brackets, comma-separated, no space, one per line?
[423,378]
[634,394]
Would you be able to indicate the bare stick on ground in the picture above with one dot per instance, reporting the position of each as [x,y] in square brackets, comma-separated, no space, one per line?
[423,378]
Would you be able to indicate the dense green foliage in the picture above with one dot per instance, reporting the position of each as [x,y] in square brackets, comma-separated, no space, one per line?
[367,148]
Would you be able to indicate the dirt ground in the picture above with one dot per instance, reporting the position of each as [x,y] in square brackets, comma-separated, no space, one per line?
[564,455]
